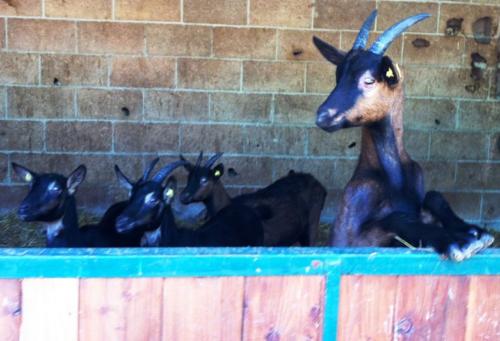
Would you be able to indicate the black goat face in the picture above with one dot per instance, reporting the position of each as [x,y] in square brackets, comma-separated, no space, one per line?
[200,184]
[145,206]
[146,199]
[367,81]
[48,193]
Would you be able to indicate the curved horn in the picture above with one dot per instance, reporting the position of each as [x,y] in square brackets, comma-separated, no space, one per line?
[364,31]
[384,41]
[212,160]
[149,168]
[200,157]
[165,171]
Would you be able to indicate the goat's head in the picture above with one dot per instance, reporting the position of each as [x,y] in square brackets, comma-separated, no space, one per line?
[368,82]
[147,198]
[48,193]
[201,178]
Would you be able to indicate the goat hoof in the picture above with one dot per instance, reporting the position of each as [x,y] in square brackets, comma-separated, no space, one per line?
[455,254]
[472,248]
[487,239]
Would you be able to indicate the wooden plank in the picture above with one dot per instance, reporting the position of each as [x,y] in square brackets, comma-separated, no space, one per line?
[202,308]
[431,308]
[483,317]
[10,309]
[284,308]
[367,305]
[120,309]
[49,309]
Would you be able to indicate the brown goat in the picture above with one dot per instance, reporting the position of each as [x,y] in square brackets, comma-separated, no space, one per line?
[385,197]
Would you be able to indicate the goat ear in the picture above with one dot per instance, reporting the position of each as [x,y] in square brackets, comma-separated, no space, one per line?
[332,54]
[187,166]
[218,171]
[170,189]
[122,179]
[76,178]
[389,72]
[24,173]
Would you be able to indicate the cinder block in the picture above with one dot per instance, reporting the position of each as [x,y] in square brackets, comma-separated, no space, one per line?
[18,68]
[320,77]
[21,135]
[143,72]
[423,113]
[297,109]
[458,146]
[344,142]
[273,76]
[40,102]
[469,14]
[74,70]
[483,116]
[106,37]
[231,42]
[216,11]
[276,140]
[218,138]
[291,13]
[179,106]
[241,107]
[79,136]
[209,74]
[153,138]
[390,12]
[41,35]
[164,10]
[441,51]
[114,104]
[342,14]
[21,8]
[298,45]
[178,40]
[96,9]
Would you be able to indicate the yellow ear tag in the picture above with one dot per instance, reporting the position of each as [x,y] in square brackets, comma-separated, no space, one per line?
[170,193]
[28,177]
[217,173]
[389,73]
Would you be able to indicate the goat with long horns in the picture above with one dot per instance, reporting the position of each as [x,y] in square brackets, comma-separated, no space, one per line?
[385,199]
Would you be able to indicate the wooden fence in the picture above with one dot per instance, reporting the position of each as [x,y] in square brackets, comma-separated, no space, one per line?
[247,294]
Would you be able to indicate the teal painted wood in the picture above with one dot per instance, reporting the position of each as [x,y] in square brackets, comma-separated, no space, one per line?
[332,301]
[187,262]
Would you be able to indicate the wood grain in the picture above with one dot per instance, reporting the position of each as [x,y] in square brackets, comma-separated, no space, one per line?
[49,309]
[431,308]
[483,317]
[10,309]
[120,309]
[367,306]
[202,308]
[284,308]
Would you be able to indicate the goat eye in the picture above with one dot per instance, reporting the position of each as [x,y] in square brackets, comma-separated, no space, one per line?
[369,80]
[203,181]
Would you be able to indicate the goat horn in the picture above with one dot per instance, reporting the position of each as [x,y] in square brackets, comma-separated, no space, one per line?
[364,32]
[165,171]
[212,160]
[149,168]
[200,157]
[384,41]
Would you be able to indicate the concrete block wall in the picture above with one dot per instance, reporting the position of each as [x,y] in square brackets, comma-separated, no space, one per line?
[119,81]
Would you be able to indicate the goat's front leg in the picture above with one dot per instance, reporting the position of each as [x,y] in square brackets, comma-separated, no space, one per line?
[359,205]
[477,237]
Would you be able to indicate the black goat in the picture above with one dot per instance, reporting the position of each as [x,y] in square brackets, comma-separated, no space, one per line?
[51,201]
[385,196]
[293,203]
[235,225]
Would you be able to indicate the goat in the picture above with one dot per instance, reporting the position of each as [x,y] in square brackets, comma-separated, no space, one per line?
[51,201]
[294,202]
[385,197]
[235,225]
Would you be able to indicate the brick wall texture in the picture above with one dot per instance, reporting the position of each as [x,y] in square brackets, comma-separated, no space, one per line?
[118,81]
